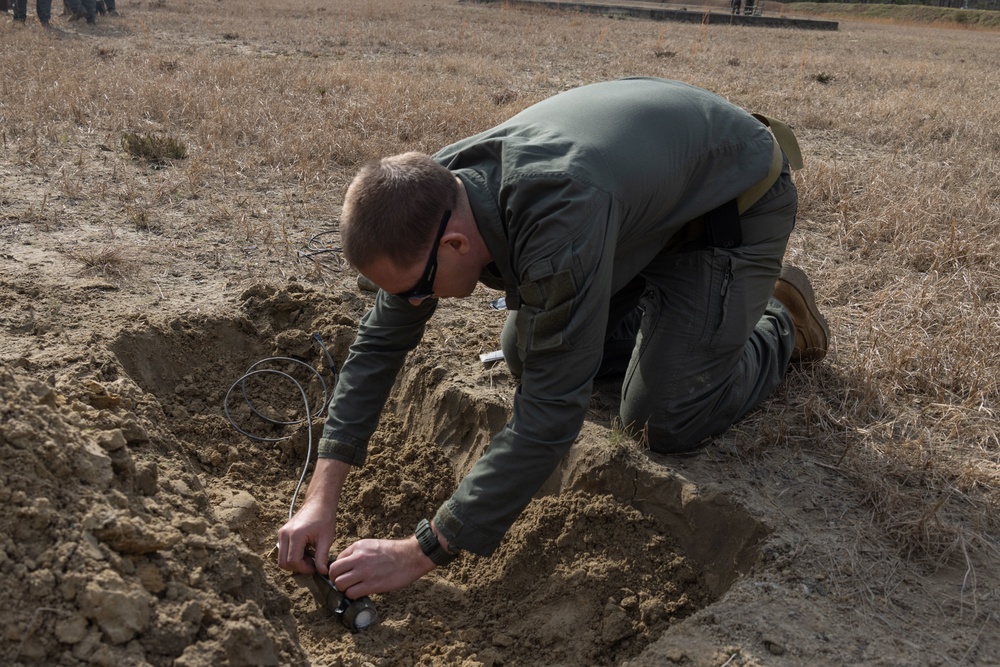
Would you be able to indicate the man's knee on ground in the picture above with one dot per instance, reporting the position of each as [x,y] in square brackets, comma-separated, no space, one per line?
[666,435]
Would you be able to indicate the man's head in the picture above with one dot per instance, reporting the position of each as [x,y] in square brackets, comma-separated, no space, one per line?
[393,210]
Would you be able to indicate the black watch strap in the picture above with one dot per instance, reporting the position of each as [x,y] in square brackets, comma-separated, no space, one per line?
[430,545]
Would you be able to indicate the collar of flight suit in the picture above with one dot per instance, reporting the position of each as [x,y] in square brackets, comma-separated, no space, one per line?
[490,223]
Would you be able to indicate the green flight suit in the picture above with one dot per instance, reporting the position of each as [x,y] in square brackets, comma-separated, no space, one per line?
[576,198]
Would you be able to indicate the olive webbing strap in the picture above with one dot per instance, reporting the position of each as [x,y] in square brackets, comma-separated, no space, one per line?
[786,139]
[784,142]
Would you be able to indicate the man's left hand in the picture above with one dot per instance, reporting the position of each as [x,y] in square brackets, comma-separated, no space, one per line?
[378,566]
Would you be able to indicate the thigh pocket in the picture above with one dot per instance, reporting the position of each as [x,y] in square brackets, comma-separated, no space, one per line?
[726,305]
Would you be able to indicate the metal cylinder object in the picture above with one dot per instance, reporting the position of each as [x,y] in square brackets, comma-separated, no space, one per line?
[356,615]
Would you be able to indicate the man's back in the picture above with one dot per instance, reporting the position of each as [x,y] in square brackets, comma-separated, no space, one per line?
[665,152]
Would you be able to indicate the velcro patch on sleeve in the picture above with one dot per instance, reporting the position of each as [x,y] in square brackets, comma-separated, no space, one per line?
[546,310]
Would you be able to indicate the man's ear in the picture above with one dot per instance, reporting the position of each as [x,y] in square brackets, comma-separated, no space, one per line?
[458,241]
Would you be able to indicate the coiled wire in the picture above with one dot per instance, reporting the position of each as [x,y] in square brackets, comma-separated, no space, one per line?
[327,395]
[321,253]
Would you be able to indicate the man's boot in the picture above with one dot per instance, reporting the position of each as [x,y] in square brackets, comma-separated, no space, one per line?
[812,335]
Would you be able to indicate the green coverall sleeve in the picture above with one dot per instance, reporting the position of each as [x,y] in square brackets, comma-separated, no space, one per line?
[386,334]
[563,252]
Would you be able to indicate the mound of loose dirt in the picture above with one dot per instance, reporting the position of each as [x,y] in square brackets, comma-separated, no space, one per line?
[578,564]
[141,517]
[110,553]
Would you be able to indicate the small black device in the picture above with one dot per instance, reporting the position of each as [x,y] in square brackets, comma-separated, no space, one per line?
[356,615]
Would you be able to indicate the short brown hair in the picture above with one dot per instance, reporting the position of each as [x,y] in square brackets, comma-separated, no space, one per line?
[393,208]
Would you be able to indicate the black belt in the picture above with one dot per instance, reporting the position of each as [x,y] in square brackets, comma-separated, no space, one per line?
[722,226]
[719,228]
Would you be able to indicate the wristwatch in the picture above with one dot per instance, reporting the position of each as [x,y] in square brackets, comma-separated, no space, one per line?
[430,545]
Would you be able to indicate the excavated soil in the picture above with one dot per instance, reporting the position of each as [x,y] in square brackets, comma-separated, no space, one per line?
[141,522]
[142,519]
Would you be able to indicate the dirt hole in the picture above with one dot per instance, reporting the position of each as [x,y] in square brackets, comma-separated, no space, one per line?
[614,550]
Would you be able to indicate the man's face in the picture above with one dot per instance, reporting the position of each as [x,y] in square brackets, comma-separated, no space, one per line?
[453,276]
[424,287]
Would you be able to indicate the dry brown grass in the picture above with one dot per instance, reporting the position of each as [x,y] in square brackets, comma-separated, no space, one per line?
[279,102]
[108,262]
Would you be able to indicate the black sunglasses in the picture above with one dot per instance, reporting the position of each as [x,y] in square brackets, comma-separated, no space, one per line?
[425,286]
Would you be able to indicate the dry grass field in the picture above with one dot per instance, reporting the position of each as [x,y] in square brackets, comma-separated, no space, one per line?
[853,519]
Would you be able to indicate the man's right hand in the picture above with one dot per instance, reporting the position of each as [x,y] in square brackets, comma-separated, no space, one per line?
[305,539]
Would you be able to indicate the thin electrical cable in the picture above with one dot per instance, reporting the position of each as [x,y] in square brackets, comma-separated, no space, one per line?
[318,251]
[253,371]
[271,420]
